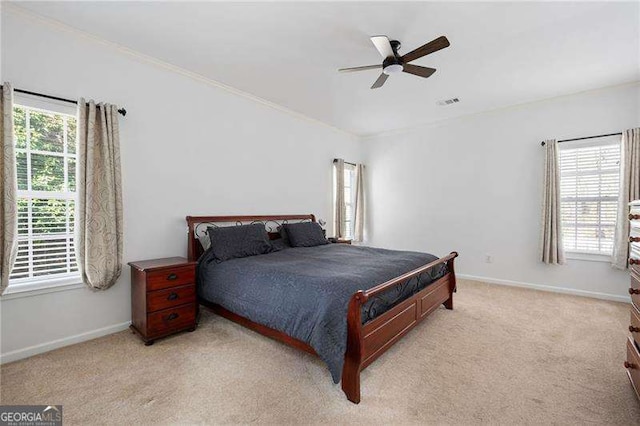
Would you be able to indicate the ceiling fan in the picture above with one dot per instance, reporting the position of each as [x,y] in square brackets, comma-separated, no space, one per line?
[393,63]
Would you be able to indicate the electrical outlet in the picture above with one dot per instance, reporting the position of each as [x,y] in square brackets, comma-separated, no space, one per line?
[488,258]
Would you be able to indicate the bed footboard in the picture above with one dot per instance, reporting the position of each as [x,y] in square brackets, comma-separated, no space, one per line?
[366,342]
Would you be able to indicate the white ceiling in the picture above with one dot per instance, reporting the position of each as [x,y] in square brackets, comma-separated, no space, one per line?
[501,54]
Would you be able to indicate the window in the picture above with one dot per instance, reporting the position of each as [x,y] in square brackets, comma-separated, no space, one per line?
[349,192]
[589,188]
[349,199]
[46,173]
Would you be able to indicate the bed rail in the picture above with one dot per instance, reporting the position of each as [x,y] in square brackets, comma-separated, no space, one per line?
[381,288]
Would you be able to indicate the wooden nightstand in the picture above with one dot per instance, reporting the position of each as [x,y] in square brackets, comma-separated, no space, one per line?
[163,297]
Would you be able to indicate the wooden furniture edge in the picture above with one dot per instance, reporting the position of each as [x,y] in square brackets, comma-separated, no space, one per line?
[381,288]
[148,341]
[140,264]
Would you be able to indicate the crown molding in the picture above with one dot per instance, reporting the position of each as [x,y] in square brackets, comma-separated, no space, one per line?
[53,23]
[447,121]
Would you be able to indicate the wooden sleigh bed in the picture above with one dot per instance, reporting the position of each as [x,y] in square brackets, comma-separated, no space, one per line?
[365,342]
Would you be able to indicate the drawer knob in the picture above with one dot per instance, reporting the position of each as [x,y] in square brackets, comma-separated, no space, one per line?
[634,216]
[634,239]
[634,291]
[172,316]
[629,365]
[634,329]
[172,277]
[633,261]
[172,296]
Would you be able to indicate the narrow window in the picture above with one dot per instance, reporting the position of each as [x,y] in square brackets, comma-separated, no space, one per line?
[349,200]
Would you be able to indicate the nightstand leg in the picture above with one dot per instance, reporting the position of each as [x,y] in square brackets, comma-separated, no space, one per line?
[149,342]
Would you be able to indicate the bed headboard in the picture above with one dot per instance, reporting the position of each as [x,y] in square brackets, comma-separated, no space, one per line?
[197,226]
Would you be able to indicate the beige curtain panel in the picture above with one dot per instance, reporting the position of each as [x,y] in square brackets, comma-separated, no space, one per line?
[360,206]
[629,191]
[8,188]
[339,210]
[551,250]
[99,210]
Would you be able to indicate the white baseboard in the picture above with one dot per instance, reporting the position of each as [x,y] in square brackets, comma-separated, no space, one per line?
[66,341]
[550,288]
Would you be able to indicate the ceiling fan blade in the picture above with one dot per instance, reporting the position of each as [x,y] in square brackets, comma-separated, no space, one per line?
[418,70]
[384,47]
[433,46]
[380,81]
[363,68]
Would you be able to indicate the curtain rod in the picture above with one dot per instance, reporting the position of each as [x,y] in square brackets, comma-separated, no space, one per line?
[586,137]
[335,160]
[55,98]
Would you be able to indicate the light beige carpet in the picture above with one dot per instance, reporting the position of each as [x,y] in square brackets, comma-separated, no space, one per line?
[504,355]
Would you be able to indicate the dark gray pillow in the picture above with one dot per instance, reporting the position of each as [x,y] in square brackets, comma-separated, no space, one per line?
[229,242]
[307,234]
[284,237]
[279,244]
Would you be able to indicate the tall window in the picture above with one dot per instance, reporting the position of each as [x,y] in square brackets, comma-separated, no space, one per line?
[46,165]
[589,189]
[349,199]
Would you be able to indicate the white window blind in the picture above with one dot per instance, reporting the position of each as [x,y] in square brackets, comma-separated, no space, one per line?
[589,189]
[46,174]
[349,199]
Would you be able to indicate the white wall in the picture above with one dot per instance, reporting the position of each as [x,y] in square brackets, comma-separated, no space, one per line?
[474,185]
[188,147]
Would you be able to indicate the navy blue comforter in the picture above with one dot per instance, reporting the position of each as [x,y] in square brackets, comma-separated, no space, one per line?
[304,292]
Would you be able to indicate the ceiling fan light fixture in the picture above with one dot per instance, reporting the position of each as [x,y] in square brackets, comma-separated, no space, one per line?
[393,69]
[393,63]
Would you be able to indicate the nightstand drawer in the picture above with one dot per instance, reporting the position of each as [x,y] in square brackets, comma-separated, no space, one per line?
[174,277]
[168,298]
[635,269]
[634,325]
[634,290]
[632,364]
[171,319]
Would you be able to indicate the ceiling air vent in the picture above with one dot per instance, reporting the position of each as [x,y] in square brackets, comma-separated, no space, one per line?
[448,101]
